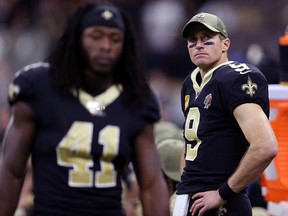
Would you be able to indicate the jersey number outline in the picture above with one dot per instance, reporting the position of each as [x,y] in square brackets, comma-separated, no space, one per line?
[190,133]
[74,151]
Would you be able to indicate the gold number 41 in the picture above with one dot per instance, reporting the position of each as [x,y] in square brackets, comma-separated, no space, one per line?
[74,151]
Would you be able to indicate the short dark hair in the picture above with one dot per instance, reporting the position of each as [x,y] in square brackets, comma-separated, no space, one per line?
[67,65]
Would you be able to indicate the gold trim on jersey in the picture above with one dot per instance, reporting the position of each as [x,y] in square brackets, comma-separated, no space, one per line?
[96,105]
[187,100]
[198,88]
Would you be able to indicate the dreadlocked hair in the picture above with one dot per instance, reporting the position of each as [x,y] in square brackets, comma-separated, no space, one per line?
[65,58]
[67,67]
[131,74]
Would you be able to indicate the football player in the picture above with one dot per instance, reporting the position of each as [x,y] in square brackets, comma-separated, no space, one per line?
[229,140]
[83,115]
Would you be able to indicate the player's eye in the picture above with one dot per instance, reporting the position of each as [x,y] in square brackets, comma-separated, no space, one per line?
[206,38]
[192,39]
[95,36]
[191,44]
[116,38]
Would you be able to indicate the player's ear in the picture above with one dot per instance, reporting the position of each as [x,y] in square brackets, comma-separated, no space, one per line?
[225,44]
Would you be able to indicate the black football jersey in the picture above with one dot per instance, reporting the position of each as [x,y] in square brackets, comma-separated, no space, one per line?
[215,143]
[81,144]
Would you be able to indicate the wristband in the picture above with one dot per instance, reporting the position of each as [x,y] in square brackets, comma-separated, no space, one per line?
[226,192]
[20,212]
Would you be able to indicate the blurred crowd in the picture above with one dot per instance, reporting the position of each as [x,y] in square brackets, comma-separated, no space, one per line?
[29,28]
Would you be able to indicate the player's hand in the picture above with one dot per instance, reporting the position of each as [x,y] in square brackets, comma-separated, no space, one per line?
[205,201]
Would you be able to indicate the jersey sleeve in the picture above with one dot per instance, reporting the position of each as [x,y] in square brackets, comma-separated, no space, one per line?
[23,87]
[246,85]
[151,111]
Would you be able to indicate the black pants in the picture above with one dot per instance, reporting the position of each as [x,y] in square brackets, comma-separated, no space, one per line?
[239,205]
